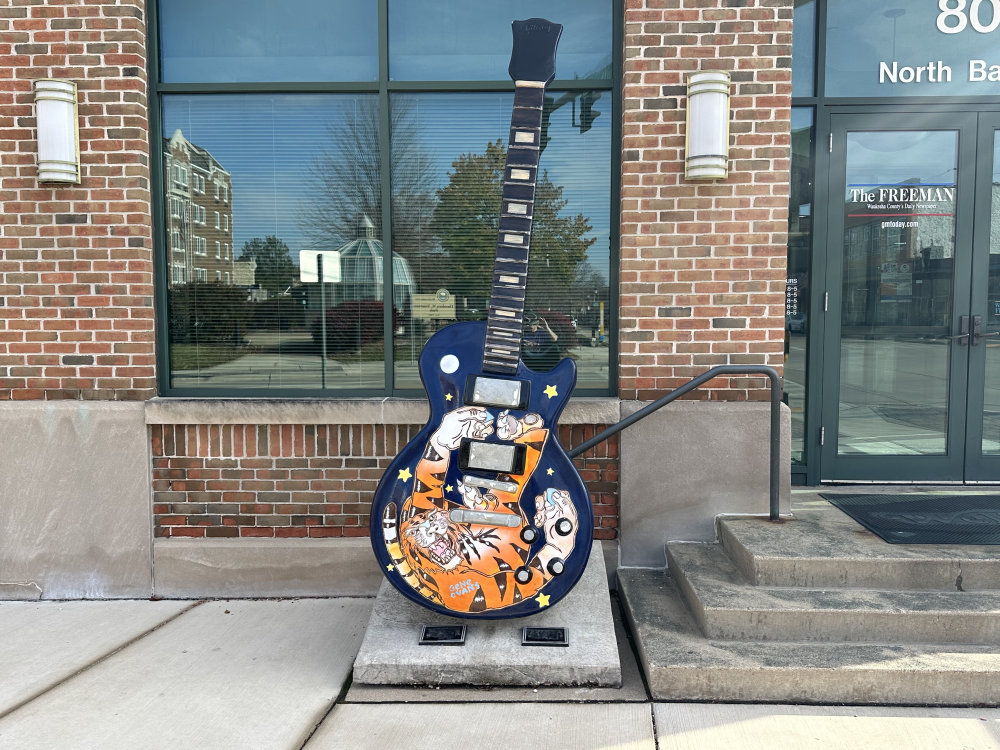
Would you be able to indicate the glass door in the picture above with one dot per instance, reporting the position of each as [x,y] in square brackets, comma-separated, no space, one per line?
[983,443]
[898,324]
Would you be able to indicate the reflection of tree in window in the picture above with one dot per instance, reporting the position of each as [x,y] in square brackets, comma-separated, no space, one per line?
[275,269]
[347,183]
[466,218]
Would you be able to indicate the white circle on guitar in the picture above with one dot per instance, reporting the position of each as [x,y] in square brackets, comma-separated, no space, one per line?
[449,363]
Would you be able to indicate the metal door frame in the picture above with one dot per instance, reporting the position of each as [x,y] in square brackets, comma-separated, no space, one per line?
[948,467]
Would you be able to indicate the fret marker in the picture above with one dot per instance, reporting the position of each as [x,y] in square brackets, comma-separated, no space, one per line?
[524,136]
[505,313]
[513,239]
[517,208]
[520,174]
[510,280]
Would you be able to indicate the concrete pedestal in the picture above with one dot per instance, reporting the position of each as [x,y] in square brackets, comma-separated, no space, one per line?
[493,654]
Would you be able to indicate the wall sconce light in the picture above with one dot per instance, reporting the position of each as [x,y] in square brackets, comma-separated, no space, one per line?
[58,131]
[706,143]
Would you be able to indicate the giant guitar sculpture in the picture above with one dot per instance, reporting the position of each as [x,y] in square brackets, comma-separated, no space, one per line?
[482,514]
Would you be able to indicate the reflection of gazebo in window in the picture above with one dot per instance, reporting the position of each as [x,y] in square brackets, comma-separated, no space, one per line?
[361,266]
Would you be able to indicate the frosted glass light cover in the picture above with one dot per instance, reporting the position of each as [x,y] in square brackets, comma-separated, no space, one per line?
[58,135]
[707,135]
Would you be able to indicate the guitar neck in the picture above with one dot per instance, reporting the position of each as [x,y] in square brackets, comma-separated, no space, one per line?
[510,269]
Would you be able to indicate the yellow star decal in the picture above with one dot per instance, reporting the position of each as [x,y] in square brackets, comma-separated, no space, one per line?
[550,391]
[390,567]
[549,471]
[543,600]
[447,397]
[448,488]
[405,474]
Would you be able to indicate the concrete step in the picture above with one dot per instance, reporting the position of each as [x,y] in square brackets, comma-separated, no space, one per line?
[823,547]
[726,606]
[682,664]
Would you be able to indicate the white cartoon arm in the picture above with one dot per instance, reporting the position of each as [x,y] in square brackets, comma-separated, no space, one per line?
[551,507]
[468,421]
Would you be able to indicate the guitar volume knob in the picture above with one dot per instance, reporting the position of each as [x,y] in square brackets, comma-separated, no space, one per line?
[564,527]
[556,566]
[529,534]
[522,574]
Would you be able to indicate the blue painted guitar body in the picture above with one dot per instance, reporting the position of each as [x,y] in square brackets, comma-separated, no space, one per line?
[476,569]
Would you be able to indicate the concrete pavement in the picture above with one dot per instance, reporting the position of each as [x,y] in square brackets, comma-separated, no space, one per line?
[277,674]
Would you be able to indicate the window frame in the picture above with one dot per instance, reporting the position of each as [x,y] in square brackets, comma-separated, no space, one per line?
[384,88]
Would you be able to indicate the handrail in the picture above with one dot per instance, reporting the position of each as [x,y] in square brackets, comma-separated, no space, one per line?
[775,436]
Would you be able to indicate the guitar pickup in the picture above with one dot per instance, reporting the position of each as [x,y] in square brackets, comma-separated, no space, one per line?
[479,455]
[497,392]
[489,484]
[484,518]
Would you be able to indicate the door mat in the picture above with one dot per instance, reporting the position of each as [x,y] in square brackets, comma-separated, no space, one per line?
[925,519]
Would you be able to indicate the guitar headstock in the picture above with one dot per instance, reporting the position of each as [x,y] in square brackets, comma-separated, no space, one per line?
[533,57]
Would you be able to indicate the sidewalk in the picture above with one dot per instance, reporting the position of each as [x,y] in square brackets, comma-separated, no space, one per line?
[276,674]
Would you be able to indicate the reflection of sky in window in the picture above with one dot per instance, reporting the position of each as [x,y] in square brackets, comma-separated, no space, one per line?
[269,143]
[802,118]
[472,40]
[264,40]
[861,33]
[890,157]
[804,48]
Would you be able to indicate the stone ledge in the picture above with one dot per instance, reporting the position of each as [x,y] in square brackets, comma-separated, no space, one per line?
[234,568]
[493,655]
[336,411]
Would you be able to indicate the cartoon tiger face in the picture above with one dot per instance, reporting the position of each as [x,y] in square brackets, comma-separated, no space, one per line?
[431,535]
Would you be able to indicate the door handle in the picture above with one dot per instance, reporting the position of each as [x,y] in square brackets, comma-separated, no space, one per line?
[963,334]
[977,330]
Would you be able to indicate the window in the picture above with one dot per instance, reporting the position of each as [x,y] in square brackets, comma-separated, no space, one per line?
[298,167]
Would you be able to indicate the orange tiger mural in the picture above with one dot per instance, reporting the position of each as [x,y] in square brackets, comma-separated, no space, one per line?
[478,566]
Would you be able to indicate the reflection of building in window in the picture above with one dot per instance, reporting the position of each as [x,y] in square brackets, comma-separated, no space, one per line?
[189,170]
[361,268]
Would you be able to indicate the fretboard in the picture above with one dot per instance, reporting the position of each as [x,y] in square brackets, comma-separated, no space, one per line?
[510,270]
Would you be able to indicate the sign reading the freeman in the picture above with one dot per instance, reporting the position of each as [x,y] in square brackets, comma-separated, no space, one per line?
[902,194]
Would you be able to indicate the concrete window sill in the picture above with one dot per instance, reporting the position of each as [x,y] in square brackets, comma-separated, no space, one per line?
[337,411]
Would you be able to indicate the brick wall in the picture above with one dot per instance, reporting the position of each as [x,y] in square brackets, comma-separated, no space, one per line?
[307,480]
[703,264]
[76,273]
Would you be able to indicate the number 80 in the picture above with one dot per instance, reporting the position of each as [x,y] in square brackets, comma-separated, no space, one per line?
[955,9]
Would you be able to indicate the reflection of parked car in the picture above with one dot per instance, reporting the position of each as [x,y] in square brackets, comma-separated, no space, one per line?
[797,323]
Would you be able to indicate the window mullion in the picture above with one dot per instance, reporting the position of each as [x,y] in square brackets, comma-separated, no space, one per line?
[385,174]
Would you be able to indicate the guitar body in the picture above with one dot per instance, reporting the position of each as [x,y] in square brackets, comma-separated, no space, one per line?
[470,569]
